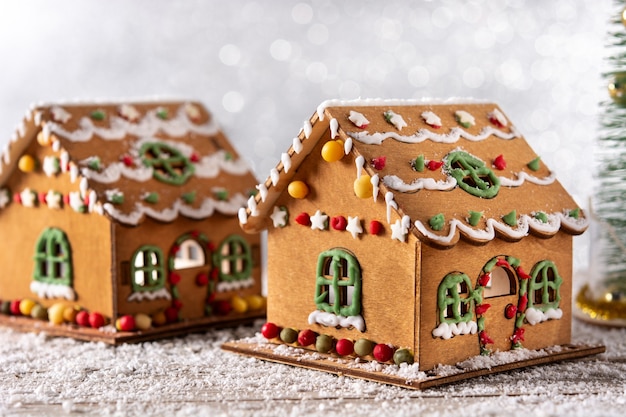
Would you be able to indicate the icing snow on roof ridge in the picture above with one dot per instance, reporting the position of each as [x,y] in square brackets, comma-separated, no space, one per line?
[361,102]
[154,100]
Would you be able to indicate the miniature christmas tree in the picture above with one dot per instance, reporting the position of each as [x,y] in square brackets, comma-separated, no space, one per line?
[605,298]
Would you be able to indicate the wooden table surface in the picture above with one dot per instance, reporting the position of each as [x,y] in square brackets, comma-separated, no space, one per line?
[41,375]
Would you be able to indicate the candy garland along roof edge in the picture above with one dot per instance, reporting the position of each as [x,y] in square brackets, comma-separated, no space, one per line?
[525,224]
[362,102]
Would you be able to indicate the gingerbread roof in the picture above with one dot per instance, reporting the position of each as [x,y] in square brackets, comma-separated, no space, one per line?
[450,169]
[131,160]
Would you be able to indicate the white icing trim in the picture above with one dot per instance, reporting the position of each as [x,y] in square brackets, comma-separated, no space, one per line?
[224,286]
[347,146]
[286,161]
[464,117]
[149,295]
[360,163]
[523,176]
[423,134]
[242,215]
[535,316]
[307,128]
[45,290]
[113,172]
[396,183]
[334,128]
[275,176]
[447,331]
[252,206]
[497,115]
[297,145]
[524,225]
[333,320]
[59,114]
[208,207]
[391,203]
[362,102]
[375,180]
[148,126]
[262,191]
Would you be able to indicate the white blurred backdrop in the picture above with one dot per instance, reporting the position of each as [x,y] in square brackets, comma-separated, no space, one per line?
[262,67]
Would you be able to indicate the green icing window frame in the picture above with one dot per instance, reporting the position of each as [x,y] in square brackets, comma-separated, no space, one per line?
[545,284]
[452,307]
[472,175]
[346,272]
[233,259]
[149,269]
[53,258]
[169,165]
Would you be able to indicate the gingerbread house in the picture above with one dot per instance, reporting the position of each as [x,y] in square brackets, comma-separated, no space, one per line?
[415,232]
[125,211]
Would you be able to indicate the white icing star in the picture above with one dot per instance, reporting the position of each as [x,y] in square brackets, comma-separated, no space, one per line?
[358,119]
[53,199]
[398,231]
[431,119]
[318,221]
[279,217]
[28,197]
[354,226]
[51,166]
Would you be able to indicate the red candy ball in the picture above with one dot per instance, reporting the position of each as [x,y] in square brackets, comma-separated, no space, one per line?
[15,307]
[344,347]
[82,318]
[96,320]
[171,314]
[127,323]
[306,337]
[270,330]
[375,227]
[223,307]
[382,352]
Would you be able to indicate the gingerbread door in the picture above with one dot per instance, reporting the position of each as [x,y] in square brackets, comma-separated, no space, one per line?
[500,291]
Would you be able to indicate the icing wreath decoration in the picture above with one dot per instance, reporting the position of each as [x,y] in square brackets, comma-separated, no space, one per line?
[169,164]
[472,175]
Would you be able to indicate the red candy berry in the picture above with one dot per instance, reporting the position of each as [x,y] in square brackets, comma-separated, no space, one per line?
[344,347]
[42,198]
[499,162]
[202,279]
[338,223]
[177,304]
[82,318]
[510,311]
[306,337]
[379,162]
[174,278]
[482,308]
[484,338]
[270,330]
[15,308]
[223,307]
[96,320]
[375,227]
[171,315]
[383,352]
[304,219]
[434,165]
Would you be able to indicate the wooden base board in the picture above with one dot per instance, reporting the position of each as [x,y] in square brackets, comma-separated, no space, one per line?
[26,324]
[338,366]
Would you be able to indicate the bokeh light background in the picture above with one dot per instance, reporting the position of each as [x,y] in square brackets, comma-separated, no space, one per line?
[262,67]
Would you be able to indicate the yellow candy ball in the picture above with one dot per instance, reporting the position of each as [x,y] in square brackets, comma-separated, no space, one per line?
[55,313]
[26,306]
[44,140]
[143,321]
[26,163]
[255,301]
[298,189]
[363,187]
[332,151]
[238,304]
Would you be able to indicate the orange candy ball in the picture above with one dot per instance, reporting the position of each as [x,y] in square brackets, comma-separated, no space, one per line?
[332,151]
[298,189]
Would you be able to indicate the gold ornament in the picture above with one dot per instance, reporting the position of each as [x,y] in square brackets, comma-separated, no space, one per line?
[609,308]
[617,88]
